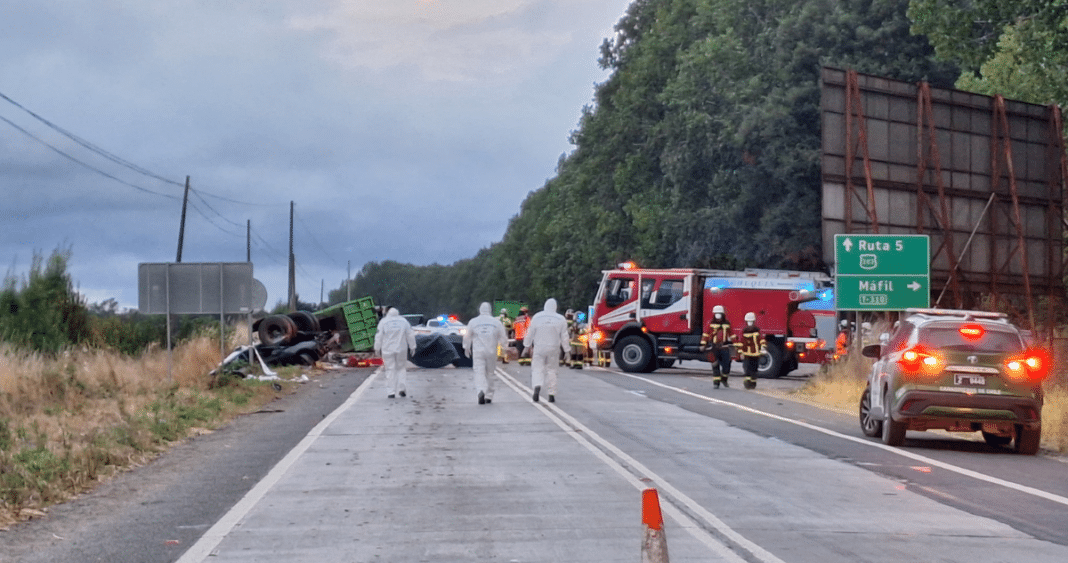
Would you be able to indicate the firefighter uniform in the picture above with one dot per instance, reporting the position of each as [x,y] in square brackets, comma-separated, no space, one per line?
[502,351]
[751,348]
[717,339]
[578,347]
[519,325]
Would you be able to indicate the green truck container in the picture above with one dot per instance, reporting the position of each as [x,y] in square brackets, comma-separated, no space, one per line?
[355,321]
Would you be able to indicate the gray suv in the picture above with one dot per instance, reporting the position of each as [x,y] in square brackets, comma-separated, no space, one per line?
[960,371]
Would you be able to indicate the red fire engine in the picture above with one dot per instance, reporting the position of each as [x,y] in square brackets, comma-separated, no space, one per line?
[652,318]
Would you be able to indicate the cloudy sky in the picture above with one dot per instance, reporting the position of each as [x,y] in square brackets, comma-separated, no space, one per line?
[406,130]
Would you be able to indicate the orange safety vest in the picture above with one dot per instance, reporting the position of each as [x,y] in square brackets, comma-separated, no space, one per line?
[520,326]
[842,343]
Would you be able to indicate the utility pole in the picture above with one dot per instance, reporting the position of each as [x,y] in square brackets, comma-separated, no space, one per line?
[322,288]
[181,226]
[248,240]
[348,282]
[292,265]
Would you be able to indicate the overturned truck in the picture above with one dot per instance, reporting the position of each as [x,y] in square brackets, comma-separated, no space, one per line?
[303,338]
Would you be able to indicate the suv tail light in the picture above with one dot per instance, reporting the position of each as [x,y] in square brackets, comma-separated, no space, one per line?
[1032,364]
[918,360]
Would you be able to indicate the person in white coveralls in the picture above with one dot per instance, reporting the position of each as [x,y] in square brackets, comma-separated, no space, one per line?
[547,337]
[484,334]
[393,340]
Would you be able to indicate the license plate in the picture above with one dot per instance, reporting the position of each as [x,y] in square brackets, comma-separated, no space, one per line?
[969,379]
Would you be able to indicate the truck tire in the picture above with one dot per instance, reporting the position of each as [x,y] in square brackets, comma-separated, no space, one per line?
[277,330]
[634,354]
[305,321]
[771,361]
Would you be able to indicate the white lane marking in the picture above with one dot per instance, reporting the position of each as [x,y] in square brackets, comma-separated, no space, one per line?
[903,453]
[211,539]
[581,434]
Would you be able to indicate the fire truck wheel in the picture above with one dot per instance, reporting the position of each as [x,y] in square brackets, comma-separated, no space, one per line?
[634,354]
[770,365]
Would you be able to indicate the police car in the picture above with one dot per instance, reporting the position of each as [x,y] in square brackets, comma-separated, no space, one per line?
[959,371]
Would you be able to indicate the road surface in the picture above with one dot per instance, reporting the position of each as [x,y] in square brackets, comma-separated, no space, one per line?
[742,476]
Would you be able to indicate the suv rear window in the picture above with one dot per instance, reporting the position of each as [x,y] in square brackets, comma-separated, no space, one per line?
[950,338]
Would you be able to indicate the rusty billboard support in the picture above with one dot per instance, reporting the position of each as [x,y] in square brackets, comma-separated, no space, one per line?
[959,167]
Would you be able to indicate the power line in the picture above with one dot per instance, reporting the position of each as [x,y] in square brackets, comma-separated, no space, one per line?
[92,147]
[89,166]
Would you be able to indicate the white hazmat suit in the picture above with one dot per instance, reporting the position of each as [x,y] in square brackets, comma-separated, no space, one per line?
[484,334]
[393,340]
[547,337]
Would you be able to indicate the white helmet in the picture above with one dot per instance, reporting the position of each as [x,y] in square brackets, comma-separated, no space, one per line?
[717,310]
[503,310]
[750,317]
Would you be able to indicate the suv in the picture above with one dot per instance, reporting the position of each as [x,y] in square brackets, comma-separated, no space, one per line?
[960,371]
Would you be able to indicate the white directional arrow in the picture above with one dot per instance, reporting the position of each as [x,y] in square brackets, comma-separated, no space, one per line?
[848,244]
[914,286]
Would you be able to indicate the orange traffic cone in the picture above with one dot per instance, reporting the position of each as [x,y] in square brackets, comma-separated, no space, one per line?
[654,544]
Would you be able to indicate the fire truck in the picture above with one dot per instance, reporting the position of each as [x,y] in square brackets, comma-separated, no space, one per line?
[651,318]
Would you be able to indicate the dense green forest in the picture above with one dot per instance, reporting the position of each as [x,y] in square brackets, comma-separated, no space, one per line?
[701,148]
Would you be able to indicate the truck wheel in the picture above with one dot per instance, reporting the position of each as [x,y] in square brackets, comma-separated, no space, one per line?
[634,354]
[893,432]
[305,321]
[277,330]
[1027,441]
[868,425]
[770,364]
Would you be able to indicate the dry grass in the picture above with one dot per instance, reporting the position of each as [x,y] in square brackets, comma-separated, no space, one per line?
[838,386]
[67,422]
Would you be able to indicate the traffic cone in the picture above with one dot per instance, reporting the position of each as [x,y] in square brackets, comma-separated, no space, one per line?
[654,544]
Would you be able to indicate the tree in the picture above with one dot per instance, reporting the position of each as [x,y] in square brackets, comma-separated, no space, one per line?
[1017,49]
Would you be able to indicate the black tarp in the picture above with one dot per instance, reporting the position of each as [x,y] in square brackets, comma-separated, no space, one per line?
[434,351]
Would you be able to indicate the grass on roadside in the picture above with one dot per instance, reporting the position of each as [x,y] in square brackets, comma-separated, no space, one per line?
[67,422]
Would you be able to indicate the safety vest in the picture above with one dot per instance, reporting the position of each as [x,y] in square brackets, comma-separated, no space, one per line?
[506,321]
[717,333]
[520,326]
[751,342]
[842,344]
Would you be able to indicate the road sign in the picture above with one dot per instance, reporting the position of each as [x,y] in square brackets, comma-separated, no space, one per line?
[882,272]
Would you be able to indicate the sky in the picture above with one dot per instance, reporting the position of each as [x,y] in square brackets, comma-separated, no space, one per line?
[406,130]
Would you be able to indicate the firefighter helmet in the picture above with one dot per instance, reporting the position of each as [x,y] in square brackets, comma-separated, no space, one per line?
[750,317]
[504,311]
[717,310]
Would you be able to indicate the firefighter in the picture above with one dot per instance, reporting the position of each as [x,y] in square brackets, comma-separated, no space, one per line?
[717,340]
[752,347]
[519,325]
[841,344]
[506,321]
[578,347]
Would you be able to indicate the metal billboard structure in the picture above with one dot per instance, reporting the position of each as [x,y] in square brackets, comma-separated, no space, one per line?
[983,176]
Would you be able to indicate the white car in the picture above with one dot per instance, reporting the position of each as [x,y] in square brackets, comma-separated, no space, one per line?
[442,325]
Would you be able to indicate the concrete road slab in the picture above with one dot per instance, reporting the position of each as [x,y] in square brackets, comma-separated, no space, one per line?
[437,477]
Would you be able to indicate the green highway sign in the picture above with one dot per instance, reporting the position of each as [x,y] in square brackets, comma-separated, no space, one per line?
[882,272]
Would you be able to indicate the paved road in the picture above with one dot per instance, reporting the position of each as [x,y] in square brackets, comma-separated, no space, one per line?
[743,476]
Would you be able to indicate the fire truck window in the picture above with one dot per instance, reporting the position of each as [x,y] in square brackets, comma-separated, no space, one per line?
[669,292]
[647,290]
[618,291]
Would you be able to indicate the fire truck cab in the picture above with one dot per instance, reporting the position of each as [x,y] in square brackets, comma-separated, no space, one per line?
[651,318]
